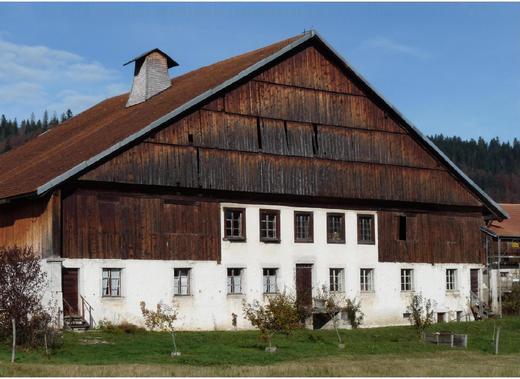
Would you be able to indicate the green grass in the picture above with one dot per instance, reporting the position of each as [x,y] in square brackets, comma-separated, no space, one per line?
[219,351]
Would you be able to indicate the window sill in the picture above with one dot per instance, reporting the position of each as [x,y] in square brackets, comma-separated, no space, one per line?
[269,241]
[303,241]
[234,239]
[236,294]
[452,292]
[181,295]
[366,242]
[367,292]
[336,242]
[109,298]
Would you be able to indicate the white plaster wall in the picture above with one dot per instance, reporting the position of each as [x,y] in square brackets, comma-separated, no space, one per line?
[209,306]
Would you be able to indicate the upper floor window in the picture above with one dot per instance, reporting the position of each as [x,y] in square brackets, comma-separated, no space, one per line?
[406,279]
[111,282]
[234,280]
[335,228]
[181,281]
[269,225]
[366,229]
[336,279]
[303,227]
[270,275]
[234,224]
[366,279]
[451,279]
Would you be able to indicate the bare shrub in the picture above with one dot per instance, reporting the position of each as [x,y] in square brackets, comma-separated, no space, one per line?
[421,313]
[123,327]
[22,283]
[279,315]
[162,319]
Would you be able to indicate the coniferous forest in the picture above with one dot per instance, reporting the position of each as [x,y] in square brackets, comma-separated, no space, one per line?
[493,165]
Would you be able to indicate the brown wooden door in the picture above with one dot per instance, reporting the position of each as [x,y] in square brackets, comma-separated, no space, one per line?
[304,289]
[69,283]
[474,280]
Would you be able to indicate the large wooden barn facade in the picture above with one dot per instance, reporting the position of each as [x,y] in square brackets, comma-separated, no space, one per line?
[277,169]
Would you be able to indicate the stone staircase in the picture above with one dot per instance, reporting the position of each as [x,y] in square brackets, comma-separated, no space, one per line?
[76,323]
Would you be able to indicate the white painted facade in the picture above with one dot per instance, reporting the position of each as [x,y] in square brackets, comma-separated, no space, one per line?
[210,307]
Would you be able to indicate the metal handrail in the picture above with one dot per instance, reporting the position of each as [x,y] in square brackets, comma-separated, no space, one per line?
[85,304]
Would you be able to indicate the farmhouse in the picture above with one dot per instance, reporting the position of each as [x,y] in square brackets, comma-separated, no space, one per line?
[279,169]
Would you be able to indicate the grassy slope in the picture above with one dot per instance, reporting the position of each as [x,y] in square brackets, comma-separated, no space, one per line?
[379,351]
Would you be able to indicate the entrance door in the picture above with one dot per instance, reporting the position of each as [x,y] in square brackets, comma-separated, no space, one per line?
[474,280]
[304,289]
[69,283]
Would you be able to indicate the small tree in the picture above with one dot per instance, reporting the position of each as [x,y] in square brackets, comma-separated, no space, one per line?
[354,314]
[279,315]
[22,283]
[421,313]
[162,319]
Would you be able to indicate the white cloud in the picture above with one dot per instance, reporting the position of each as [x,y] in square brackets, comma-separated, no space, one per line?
[392,46]
[36,78]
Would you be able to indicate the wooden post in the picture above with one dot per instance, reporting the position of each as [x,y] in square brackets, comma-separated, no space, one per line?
[451,339]
[13,352]
[497,340]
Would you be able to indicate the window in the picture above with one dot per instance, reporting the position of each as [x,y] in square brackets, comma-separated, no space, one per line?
[402,228]
[440,316]
[235,224]
[367,279]
[406,315]
[406,279]
[303,227]
[181,281]
[234,280]
[336,276]
[335,228]
[459,316]
[270,275]
[269,225]
[111,282]
[451,279]
[366,229]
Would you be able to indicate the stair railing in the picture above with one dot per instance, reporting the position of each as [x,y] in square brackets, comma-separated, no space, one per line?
[86,308]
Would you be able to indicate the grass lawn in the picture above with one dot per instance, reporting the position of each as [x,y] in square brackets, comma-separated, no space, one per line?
[379,351]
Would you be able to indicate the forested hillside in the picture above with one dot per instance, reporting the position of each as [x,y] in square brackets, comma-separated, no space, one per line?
[493,165]
[14,133]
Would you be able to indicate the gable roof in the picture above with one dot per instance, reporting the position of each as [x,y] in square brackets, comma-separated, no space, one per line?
[511,226]
[55,156]
[170,62]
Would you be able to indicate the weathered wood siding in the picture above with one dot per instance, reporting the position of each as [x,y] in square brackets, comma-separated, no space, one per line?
[33,223]
[431,238]
[116,225]
[301,127]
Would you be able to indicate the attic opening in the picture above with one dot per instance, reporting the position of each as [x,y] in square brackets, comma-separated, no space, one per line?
[402,228]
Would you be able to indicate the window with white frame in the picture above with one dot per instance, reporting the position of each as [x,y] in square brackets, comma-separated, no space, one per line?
[406,279]
[270,275]
[451,279]
[366,279]
[234,280]
[111,282]
[336,279]
[181,281]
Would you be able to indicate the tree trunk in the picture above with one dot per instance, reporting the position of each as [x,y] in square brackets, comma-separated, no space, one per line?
[13,353]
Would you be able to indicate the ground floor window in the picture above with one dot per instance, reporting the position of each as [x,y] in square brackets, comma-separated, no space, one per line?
[337,278]
[451,279]
[234,280]
[111,282]
[367,279]
[181,282]
[441,316]
[270,275]
[406,279]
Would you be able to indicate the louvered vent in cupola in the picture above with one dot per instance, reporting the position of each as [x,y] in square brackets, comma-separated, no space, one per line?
[150,75]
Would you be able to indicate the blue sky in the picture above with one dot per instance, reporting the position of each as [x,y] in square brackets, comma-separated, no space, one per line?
[450,68]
